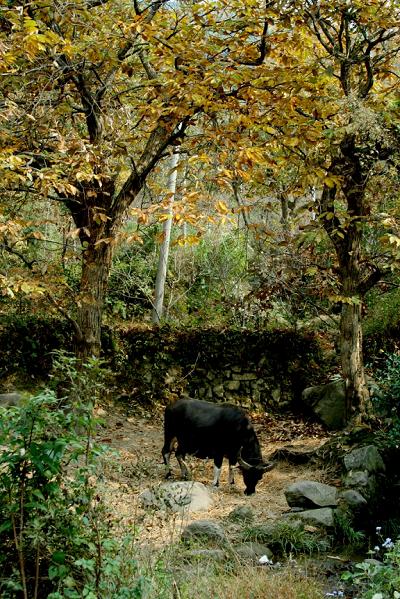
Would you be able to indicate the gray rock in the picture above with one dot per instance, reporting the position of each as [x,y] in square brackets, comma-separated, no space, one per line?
[241,513]
[10,399]
[232,385]
[362,481]
[308,493]
[204,530]
[353,499]
[328,403]
[364,458]
[323,516]
[219,391]
[375,563]
[252,552]
[178,496]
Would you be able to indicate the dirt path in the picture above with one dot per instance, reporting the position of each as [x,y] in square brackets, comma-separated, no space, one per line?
[136,464]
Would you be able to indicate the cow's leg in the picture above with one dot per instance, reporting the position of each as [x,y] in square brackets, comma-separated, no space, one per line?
[180,456]
[166,454]
[217,470]
[231,478]
[231,475]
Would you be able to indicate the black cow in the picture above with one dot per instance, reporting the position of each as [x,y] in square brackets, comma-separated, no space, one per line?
[208,430]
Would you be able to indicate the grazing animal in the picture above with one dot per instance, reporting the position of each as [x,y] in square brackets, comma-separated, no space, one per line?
[207,430]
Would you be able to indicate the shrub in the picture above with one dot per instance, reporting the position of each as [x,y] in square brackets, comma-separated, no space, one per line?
[378,580]
[386,402]
[285,538]
[56,536]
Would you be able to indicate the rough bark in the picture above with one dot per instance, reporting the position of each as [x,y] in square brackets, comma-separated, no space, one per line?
[346,238]
[351,353]
[96,263]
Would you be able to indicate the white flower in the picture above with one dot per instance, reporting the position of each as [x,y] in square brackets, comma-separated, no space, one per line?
[377,596]
[264,559]
[388,544]
[377,548]
[378,528]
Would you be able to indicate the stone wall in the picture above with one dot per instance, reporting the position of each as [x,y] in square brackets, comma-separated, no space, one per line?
[268,369]
[254,369]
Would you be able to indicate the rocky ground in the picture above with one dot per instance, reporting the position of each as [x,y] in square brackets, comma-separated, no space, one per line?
[135,464]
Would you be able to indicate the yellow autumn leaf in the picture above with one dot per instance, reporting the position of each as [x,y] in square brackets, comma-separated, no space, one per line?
[222,207]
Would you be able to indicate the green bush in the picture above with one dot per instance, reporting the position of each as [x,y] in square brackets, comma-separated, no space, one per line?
[56,537]
[286,538]
[386,402]
[383,312]
[378,579]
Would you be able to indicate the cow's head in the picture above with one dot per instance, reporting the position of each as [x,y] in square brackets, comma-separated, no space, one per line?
[252,473]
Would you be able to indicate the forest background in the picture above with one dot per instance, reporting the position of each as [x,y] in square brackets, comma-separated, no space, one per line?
[266,133]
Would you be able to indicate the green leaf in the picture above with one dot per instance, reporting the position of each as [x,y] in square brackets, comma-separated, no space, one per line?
[58,557]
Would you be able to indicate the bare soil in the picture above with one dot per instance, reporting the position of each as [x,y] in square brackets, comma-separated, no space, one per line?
[136,465]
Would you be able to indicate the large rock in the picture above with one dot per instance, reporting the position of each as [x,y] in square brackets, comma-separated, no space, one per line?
[365,458]
[251,551]
[363,482]
[178,496]
[328,403]
[241,513]
[308,494]
[353,499]
[10,399]
[205,531]
[322,517]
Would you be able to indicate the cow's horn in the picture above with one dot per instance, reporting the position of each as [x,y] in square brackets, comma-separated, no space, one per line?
[266,466]
[242,463]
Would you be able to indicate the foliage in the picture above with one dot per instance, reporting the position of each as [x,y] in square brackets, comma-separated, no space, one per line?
[375,579]
[386,402]
[55,535]
[131,284]
[345,533]
[27,341]
[47,522]
[77,383]
[382,320]
[287,538]
[215,275]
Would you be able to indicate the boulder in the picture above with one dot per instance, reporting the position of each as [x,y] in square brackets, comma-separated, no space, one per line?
[308,494]
[251,552]
[353,499]
[365,458]
[204,530]
[328,403]
[178,496]
[10,399]
[321,517]
[363,482]
[241,513]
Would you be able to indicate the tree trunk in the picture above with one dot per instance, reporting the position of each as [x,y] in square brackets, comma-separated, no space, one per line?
[346,239]
[96,263]
[164,249]
[351,354]
[351,338]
